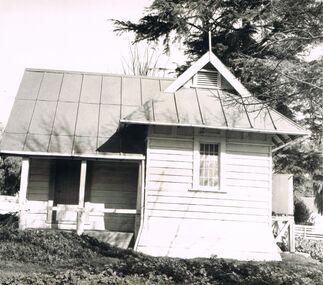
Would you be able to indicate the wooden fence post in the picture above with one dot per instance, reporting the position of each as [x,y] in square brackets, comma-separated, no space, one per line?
[292,235]
[49,216]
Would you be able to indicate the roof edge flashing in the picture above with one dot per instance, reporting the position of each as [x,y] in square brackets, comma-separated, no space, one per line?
[117,156]
[252,130]
[29,69]
[188,73]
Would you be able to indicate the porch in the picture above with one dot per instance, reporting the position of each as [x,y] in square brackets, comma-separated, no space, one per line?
[85,195]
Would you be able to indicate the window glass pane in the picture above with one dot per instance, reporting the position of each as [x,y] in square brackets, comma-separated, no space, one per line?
[209,165]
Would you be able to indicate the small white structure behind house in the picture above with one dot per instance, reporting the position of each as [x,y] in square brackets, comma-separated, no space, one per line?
[283,195]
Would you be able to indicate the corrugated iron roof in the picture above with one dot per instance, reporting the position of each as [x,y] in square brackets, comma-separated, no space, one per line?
[63,112]
[75,113]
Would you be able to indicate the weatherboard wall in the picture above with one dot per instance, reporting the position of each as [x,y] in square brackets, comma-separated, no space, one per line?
[182,220]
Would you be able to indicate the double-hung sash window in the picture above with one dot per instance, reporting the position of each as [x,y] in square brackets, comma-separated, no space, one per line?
[207,165]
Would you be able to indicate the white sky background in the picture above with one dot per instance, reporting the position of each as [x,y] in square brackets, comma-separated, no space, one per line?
[60,34]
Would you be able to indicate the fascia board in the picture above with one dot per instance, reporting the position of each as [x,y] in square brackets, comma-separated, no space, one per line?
[198,65]
[188,74]
[252,130]
[226,73]
[121,156]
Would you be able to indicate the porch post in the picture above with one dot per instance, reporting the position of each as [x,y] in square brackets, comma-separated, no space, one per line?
[23,192]
[140,202]
[80,213]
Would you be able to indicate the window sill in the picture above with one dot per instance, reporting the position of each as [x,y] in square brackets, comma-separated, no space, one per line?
[208,190]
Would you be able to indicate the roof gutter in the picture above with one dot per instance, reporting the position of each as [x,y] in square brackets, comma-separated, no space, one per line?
[120,156]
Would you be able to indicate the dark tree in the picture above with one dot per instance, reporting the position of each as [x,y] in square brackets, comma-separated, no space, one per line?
[261,41]
[9,173]
[257,28]
[301,212]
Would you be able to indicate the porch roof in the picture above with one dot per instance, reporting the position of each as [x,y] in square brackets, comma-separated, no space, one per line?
[217,109]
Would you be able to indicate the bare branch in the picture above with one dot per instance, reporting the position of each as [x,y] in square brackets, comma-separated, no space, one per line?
[302,81]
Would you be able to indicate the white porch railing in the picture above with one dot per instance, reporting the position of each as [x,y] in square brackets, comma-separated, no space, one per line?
[283,228]
[8,204]
[308,232]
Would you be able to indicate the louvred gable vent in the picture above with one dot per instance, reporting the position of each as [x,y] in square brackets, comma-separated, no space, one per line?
[207,79]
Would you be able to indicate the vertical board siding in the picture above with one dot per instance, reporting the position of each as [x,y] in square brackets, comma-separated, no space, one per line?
[38,185]
[38,193]
[112,185]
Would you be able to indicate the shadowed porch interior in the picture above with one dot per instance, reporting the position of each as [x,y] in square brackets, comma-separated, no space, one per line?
[110,203]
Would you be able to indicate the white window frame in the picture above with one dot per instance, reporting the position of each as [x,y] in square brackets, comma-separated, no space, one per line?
[196,169]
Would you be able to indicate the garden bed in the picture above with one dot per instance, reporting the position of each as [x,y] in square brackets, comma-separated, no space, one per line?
[57,257]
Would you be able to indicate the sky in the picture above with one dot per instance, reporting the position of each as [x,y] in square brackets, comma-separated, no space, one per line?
[63,35]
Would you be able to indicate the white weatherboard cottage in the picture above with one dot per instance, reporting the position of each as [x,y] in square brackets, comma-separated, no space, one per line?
[177,168]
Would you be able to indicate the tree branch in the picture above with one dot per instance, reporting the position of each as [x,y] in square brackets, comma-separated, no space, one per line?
[302,81]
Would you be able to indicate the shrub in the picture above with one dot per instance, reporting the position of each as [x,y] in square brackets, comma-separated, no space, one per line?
[53,247]
[9,220]
[301,212]
[313,247]
[9,175]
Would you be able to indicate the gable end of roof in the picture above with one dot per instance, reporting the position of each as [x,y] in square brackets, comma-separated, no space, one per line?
[211,58]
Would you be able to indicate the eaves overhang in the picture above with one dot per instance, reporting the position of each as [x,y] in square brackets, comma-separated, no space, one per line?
[107,156]
[253,130]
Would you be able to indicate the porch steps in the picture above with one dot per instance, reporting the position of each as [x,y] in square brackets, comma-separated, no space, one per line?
[119,239]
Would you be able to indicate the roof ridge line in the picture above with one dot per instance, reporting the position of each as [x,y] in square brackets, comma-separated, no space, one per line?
[96,73]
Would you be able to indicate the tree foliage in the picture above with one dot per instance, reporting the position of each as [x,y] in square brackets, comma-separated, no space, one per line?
[261,41]
[301,212]
[259,28]
[258,39]
[9,173]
